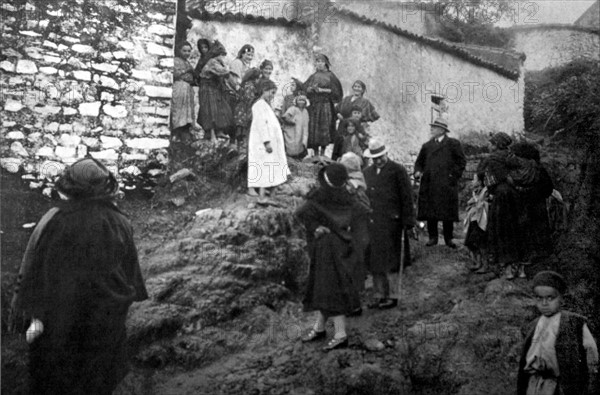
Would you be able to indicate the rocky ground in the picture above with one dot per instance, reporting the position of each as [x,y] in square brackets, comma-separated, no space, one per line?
[225,276]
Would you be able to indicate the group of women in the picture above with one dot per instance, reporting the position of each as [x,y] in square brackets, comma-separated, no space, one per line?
[512,189]
[227,92]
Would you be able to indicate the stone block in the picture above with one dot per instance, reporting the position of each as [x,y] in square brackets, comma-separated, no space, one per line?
[141,74]
[166,63]
[147,143]
[120,55]
[90,109]
[70,140]
[12,105]
[12,165]
[91,142]
[135,157]
[45,152]
[50,169]
[48,70]
[49,44]
[128,45]
[82,151]
[109,154]
[158,91]
[15,135]
[161,30]
[117,111]
[65,152]
[18,149]
[7,66]
[82,75]
[51,59]
[8,124]
[47,110]
[105,67]
[110,142]
[108,82]
[69,111]
[84,49]
[52,127]
[159,50]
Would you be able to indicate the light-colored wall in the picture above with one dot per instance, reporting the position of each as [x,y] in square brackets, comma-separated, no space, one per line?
[286,47]
[546,47]
[102,90]
[401,74]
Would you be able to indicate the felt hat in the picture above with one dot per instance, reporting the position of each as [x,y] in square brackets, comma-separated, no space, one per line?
[87,179]
[334,175]
[552,279]
[376,149]
[442,123]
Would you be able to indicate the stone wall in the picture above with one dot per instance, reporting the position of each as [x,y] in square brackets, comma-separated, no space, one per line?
[555,46]
[402,74]
[85,78]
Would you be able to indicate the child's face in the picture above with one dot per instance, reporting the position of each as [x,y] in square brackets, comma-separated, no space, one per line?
[351,128]
[300,103]
[547,299]
[356,115]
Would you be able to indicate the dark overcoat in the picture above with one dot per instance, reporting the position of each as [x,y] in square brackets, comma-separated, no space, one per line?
[332,286]
[442,165]
[390,194]
[83,277]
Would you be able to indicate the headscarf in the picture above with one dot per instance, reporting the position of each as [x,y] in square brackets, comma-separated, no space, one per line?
[501,140]
[352,163]
[552,279]
[88,179]
[266,63]
[324,58]
[201,42]
[215,50]
[362,85]
[244,49]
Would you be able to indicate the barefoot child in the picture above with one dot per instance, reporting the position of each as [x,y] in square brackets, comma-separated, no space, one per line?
[295,128]
[560,355]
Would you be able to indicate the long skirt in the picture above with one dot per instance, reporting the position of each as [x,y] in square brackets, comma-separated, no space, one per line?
[538,243]
[321,126]
[331,286]
[505,239]
[476,238]
[215,112]
[182,105]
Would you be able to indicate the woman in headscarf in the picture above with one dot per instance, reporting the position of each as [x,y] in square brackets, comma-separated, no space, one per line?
[266,69]
[203,47]
[336,235]
[182,102]
[505,240]
[215,115]
[79,275]
[324,90]
[240,65]
[267,163]
[344,108]
[242,115]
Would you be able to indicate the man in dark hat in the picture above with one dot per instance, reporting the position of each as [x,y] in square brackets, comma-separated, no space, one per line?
[439,165]
[389,190]
[79,275]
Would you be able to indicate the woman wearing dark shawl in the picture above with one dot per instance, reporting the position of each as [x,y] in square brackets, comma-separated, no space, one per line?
[203,47]
[337,235]
[324,90]
[182,102]
[79,275]
[505,240]
[344,108]
[215,115]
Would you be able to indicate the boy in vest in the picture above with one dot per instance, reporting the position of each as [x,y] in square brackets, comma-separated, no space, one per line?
[560,356]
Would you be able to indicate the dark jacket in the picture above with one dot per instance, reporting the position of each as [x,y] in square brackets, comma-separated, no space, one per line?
[83,277]
[334,257]
[442,165]
[571,355]
[390,194]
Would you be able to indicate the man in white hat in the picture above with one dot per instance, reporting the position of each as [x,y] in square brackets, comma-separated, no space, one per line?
[439,165]
[389,190]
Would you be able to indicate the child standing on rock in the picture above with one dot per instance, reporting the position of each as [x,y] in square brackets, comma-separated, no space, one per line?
[560,355]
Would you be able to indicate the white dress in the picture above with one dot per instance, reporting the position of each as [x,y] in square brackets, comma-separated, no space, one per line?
[266,169]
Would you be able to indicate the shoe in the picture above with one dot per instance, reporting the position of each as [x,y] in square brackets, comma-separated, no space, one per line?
[508,273]
[450,244]
[522,271]
[431,242]
[355,313]
[388,304]
[313,335]
[336,343]
[482,270]
[375,304]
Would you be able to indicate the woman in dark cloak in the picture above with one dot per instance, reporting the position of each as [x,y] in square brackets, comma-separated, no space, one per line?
[215,115]
[79,275]
[324,90]
[505,239]
[337,235]
[203,47]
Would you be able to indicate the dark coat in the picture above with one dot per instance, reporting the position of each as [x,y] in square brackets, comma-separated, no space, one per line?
[83,278]
[442,165]
[332,286]
[570,353]
[390,194]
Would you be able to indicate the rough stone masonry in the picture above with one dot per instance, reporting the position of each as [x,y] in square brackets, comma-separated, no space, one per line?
[84,77]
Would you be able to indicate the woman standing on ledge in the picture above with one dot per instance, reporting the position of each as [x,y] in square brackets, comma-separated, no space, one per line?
[324,90]
[182,103]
